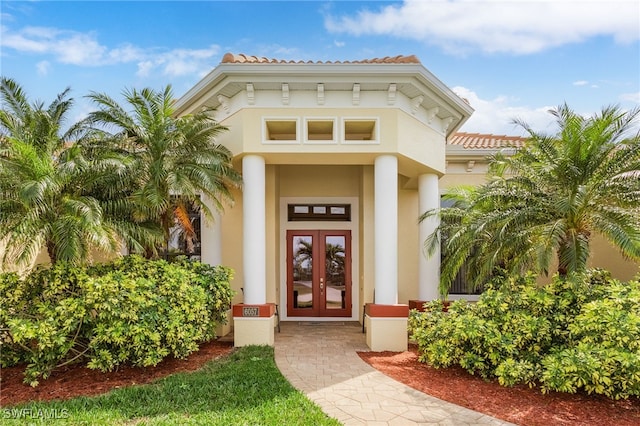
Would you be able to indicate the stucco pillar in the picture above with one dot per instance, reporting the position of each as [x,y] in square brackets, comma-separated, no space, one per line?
[428,266]
[253,320]
[386,229]
[254,232]
[385,319]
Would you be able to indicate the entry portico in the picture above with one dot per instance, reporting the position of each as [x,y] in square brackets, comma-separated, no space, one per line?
[338,161]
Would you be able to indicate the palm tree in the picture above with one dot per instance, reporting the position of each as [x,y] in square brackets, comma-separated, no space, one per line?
[547,201]
[303,257]
[334,260]
[174,159]
[46,183]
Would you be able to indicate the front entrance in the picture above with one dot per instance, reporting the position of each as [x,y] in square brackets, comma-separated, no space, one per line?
[319,273]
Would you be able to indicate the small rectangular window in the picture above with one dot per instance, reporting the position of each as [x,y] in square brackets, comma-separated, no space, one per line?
[320,130]
[285,130]
[360,130]
[319,209]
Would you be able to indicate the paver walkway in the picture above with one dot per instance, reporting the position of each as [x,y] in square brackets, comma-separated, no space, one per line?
[320,359]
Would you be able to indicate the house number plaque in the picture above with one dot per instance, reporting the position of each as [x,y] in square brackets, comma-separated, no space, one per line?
[251,311]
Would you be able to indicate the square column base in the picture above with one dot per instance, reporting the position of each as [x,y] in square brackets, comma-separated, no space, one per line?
[224,329]
[386,327]
[253,324]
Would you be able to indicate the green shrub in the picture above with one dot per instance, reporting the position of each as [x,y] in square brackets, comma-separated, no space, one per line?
[43,319]
[131,310]
[603,353]
[582,332]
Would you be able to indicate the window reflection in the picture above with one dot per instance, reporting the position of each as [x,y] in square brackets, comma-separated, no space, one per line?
[302,272]
[335,271]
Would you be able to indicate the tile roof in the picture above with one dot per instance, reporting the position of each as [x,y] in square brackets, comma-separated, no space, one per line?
[230,58]
[485,141]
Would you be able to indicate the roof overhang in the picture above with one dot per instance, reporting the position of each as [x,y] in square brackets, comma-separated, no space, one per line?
[411,79]
[459,153]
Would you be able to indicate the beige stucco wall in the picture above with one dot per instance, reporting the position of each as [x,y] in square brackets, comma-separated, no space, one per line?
[366,240]
[317,181]
[457,174]
[420,148]
[603,255]
[420,143]
[409,248]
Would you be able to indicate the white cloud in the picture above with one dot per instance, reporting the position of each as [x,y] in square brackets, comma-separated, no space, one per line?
[339,43]
[497,115]
[21,43]
[584,83]
[631,97]
[84,49]
[144,68]
[68,47]
[519,27]
[125,53]
[43,67]
[179,62]
[188,61]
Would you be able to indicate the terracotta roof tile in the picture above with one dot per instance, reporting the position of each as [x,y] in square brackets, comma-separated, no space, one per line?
[230,58]
[485,140]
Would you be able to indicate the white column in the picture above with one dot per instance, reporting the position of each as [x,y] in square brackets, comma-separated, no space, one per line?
[386,229]
[428,266]
[253,232]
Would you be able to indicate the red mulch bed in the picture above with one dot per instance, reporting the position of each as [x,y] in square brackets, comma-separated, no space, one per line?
[76,380]
[520,405]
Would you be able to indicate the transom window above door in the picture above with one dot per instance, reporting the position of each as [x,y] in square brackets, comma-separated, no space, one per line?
[319,212]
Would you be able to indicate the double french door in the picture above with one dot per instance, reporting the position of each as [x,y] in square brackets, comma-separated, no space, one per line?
[319,273]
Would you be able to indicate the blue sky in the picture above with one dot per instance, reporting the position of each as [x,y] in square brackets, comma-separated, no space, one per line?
[510,59]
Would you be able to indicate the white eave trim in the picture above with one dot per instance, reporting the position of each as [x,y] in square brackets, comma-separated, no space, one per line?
[456,152]
[241,72]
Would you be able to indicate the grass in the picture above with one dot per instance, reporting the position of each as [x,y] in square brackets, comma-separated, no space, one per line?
[245,388]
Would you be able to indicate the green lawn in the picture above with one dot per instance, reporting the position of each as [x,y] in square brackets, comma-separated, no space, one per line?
[245,388]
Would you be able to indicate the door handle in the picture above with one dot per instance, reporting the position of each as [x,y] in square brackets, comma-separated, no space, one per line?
[321,285]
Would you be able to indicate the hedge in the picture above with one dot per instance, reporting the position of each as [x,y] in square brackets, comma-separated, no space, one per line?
[131,310]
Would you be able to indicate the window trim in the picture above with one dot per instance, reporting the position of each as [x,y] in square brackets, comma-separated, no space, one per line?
[376,130]
[265,131]
[334,136]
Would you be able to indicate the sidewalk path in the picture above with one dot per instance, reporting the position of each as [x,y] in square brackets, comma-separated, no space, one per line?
[320,360]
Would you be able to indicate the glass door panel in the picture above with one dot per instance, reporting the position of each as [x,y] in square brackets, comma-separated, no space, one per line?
[302,272]
[334,272]
[319,273]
